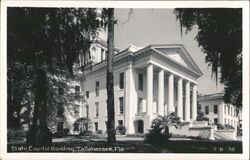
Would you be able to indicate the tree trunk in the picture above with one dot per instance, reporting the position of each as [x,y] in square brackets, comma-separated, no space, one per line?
[39,134]
[110,78]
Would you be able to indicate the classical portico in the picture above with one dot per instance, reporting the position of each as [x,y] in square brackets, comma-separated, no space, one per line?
[170,84]
[171,77]
[148,82]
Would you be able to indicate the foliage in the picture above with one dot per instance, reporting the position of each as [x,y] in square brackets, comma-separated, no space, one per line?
[43,38]
[99,131]
[121,129]
[228,126]
[159,132]
[86,133]
[66,131]
[220,36]
[84,123]
[225,127]
[13,134]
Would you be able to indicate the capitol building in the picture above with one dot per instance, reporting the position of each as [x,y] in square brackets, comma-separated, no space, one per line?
[148,81]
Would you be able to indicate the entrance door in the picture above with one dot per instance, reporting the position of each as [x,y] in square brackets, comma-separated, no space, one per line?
[140,126]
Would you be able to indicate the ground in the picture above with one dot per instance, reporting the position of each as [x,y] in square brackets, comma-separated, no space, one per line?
[97,143]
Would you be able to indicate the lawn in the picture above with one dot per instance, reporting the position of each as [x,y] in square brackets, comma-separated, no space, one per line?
[125,144]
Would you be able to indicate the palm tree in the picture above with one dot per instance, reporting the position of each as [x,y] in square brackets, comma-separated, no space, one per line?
[159,131]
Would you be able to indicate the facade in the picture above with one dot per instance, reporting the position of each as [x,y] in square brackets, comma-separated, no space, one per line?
[217,111]
[148,81]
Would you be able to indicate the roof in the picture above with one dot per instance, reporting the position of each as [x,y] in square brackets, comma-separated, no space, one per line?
[214,96]
[165,52]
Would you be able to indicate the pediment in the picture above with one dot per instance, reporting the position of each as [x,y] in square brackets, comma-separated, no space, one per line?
[179,55]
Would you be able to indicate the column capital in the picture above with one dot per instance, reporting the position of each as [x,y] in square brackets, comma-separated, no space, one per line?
[193,84]
[149,64]
[179,78]
[160,70]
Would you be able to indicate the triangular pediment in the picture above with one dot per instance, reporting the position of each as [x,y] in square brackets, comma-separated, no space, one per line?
[179,55]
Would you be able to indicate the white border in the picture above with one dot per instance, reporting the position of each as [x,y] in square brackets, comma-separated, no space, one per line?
[124,4]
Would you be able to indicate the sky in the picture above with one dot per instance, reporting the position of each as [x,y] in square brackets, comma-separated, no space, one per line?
[159,26]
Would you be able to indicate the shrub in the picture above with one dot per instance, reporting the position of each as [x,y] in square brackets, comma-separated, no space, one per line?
[99,131]
[86,133]
[220,126]
[159,132]
[13,134]
[225,127]
[84,123]
[228,126]
[121,130]
[136,135]
[59,134]
[66,131]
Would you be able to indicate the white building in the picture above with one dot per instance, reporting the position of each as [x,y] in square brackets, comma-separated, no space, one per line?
[148,81]
[217,111]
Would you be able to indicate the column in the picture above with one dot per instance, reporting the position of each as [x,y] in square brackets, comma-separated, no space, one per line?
[187,101]
[221,113]
[194,102]
[171,93]
[129,91]
[149,89]
[161,92]
[180,99]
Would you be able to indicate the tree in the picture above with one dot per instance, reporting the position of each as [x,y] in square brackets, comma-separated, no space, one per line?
[159,131]
[220,36]
[110,76]
[43,39]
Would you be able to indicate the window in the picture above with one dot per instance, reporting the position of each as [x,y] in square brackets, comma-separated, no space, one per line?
[59,126]
[121,105]
[60,110]
[96,126]
[106,54]
[77,91]
[140,81]
[228,110]
[97,88]
[60,90]
[106,109]
[225,121]
[120,122]
[102,54]
[96,109]
[76,126]
[139,107]
[87,111]
[215,109]
[225,109]
[121,84]
[106,123]
[207,109]
[157,108]
[216,121]
[87,94]
[77,107]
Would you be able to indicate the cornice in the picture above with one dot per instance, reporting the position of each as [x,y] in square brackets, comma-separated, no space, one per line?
[148,51]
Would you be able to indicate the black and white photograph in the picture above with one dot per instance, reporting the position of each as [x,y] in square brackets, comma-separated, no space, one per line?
[120,79]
